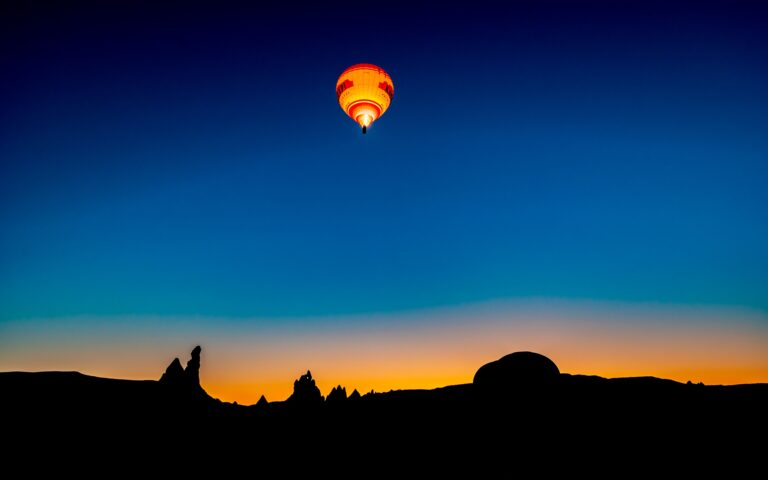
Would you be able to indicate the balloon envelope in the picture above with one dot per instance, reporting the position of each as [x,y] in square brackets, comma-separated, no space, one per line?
[364,92]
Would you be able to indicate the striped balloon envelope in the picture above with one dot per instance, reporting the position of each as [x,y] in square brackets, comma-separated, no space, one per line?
[364,92]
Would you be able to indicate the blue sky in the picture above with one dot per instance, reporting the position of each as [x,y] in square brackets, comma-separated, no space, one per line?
[193,161]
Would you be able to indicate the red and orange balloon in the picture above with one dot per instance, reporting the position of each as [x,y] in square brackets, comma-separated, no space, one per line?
[364,92]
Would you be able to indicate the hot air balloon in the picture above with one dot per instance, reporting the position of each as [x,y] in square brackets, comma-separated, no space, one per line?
[364,92]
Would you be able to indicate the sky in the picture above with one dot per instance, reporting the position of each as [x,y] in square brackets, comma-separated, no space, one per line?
[583,179]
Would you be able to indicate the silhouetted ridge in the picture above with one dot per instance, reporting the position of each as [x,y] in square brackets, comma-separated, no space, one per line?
[519,370]
[517,405]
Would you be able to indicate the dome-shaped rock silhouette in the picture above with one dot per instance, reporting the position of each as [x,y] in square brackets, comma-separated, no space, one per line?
[519,369]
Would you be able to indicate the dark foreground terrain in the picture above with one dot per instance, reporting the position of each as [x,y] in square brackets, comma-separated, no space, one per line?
[517,409]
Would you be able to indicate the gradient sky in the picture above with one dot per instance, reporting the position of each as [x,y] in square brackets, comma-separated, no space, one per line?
[182,174]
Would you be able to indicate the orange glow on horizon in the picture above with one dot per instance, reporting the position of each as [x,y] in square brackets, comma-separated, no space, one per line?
[240,362]
[711,357]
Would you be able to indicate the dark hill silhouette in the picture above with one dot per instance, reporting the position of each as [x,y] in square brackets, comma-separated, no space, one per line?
[69,411]
[519,370]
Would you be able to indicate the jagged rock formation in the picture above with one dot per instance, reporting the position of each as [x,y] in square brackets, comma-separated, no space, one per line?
[338,394]
[262,402]
[305,392]
[192,372]
[182,379]
[355,395]
[174,374]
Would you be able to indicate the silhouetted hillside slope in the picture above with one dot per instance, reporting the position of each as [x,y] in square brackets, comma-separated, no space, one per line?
[521,402]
